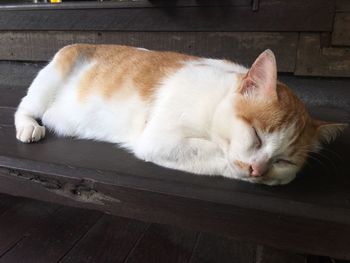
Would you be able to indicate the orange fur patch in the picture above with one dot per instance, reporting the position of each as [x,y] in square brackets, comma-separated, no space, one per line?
[120,69]
[242,165]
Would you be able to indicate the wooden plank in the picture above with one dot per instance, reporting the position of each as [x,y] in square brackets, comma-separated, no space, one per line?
[342,5]
[242,47]
[211,248]
[11,96]
[312,60]
[298,15]
[125,4]
[7,201]
[16,221]
[13,74]
[324,96]
[270,255]
[341,31]
[110,240]
[6,115]
[285,232]
[164,244]
[52,237]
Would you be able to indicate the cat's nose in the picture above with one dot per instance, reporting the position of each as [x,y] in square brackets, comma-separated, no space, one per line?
[258,169]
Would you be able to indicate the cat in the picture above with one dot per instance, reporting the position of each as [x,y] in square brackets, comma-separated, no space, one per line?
[199,115]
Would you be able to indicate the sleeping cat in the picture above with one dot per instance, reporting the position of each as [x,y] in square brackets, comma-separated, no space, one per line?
[204,116]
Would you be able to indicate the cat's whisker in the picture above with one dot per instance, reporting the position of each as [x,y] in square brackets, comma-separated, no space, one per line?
[334,153]
[318,161]
[329,160]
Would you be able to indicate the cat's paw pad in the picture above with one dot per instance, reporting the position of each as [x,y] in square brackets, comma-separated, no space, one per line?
[31,133]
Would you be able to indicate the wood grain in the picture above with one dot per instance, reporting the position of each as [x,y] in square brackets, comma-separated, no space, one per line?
[313,60]
[14,74]
[270,255]
[241,47]
[341,29]
[342,5]
[211,248]
[6,116]
[110,240]
[6,202]
[16,221]
[116,239]
[50,238]
[125,4]
[163,243]
[298,15]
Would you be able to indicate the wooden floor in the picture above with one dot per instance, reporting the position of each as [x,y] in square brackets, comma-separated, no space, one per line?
[34,231]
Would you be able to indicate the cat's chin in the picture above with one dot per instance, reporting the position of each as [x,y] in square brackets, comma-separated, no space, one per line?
[268,180]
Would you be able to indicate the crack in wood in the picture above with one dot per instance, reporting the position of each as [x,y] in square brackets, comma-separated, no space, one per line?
[83,191]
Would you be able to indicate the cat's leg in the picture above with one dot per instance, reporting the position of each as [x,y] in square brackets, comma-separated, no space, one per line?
[193,155]
[40,95]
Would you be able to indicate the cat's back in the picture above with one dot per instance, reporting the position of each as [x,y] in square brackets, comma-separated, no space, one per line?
[112,69]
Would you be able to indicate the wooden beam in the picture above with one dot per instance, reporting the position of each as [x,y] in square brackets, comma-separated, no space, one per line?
[124,4]
[14,73]
[313,60]
[298,15]
[241,47]
[341,31]
[299,234]
[342,5]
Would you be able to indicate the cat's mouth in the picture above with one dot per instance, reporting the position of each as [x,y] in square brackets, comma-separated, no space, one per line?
[244,173]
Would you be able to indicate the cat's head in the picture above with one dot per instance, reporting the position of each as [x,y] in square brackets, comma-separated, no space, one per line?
[272,133]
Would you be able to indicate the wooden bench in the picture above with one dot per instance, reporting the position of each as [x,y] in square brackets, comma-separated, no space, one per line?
[311,215]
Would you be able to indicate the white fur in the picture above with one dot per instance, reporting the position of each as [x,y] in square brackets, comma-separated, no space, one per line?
[190,126]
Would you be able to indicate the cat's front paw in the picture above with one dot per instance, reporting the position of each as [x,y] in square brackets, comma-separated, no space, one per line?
[30,133]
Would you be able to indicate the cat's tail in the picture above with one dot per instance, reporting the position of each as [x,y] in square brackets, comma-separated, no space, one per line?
[40,95]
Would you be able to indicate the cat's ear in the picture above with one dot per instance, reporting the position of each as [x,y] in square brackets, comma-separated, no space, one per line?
[261,78]
[328,131]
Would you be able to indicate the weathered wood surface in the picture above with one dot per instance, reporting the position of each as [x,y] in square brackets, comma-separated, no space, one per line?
[268,255]
[223,250]
[110,240]
[74,235]
[341,29]
[59,231]
[313,60]
[17,220]
[342,5]
[163,241]
[298,15]
[303,234]
[14,74]
[241,47]
[126,4]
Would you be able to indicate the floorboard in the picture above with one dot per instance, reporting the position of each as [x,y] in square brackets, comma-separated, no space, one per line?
[15,222]
[7,201]
[109,240]
[50,238]
[164,244]
[269,255]
[211,248]
[35,231]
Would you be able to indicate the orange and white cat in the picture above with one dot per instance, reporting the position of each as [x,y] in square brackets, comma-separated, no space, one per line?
[199,115]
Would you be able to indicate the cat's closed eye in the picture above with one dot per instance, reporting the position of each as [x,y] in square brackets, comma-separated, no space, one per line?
[258,139]
[284,162]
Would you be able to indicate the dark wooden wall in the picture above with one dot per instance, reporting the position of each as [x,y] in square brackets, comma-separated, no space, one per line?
[310,38]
